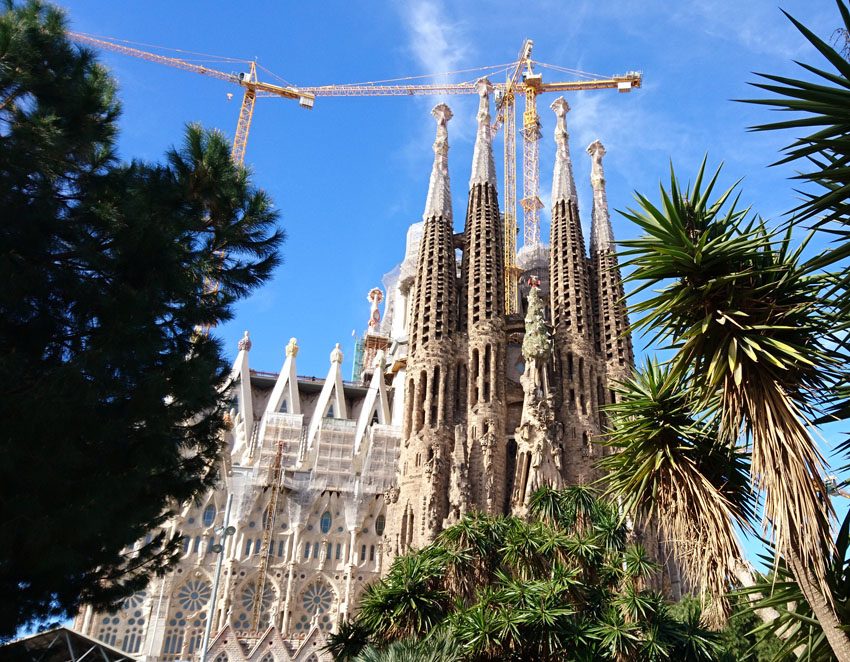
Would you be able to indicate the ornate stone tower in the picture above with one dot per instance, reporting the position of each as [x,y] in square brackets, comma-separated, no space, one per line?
[610,319]
[485,323]
[576,360]
[428,430]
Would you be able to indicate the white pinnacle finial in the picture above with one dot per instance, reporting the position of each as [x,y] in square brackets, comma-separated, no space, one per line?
[336,354]
[244,344]
[483,166]
[292,348]
[601,233]
[439,201]
[563,184]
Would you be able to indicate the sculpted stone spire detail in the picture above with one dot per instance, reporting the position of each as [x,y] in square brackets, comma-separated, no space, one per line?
[484,287]
[601,234]
[483,165]
[430,377]
[563,183]
[374,298]
[439,200]
[580,378]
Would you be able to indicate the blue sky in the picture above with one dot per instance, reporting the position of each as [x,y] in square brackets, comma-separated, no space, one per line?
[352,174]
[349,176]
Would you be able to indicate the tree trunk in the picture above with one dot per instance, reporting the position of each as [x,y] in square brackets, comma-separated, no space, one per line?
[821,608]
[744,573]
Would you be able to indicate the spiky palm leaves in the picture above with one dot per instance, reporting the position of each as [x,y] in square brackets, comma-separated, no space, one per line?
[565,582]
[748,329]
[824,106]
[670,468]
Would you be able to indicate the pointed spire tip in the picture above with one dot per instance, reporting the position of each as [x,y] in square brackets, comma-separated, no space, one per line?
[563,183]
[439,200]
[483,165]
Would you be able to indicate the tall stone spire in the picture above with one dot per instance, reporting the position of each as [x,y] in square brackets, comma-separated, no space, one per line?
[568,262]
[484,280]
[569,286]
[428,437]
[611,320]
[483,165]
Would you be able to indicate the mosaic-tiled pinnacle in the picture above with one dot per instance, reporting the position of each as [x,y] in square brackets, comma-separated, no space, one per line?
[483,166]
[439,201]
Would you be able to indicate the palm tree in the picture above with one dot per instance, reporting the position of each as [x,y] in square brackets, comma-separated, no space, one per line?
[750,334]
[670,468]
[565,582]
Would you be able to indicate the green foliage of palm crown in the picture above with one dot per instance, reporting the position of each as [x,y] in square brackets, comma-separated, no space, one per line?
[750,333]
[669,467]
[565,582]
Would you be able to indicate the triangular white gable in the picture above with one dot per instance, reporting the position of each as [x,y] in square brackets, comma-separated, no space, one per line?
[286,386]
[376,402]
[332,395]
[244,423]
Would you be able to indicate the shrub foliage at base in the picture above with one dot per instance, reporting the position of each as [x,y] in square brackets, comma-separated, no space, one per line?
[567,583]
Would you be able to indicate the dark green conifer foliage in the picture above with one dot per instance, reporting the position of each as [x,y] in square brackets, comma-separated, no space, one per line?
[109,399]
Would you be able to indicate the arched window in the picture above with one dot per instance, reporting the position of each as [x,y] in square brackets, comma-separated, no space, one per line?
[325,522]
[209,515]
[380,524]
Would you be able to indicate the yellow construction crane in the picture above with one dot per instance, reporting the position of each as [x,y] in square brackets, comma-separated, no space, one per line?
[521,79]
[247,80]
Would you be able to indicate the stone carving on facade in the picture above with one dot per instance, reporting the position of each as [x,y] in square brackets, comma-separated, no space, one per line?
[458,480]
[539,448]
[391,495]
[244,344]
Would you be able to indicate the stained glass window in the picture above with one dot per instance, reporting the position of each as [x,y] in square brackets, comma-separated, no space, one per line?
[325,522]
[209,515]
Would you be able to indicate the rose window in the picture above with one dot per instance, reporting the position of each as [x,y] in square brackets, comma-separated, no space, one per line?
[248,596]
[194,595]
[317,597]
[134,600]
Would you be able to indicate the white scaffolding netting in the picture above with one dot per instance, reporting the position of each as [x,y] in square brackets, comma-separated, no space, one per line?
[382,457]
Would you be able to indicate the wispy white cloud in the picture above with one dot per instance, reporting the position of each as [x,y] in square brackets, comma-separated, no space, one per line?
[435,40]
[440,44]
[752,25]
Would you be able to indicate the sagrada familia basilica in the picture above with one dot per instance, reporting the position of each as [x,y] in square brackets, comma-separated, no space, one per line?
[458,406]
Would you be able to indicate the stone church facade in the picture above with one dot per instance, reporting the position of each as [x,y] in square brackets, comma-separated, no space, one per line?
[456,406]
